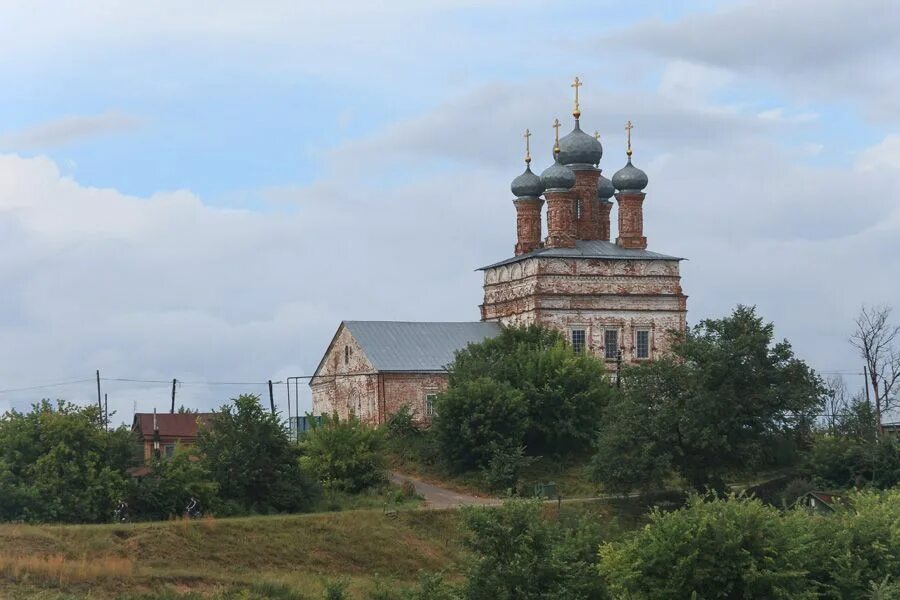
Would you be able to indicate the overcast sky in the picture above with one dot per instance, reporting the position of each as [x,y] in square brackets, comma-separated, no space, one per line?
[204,190]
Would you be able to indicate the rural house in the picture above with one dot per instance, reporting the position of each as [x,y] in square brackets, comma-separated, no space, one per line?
[612,297]
[372,368]
[159,434]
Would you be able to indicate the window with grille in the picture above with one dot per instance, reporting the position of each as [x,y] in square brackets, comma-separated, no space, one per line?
[642,343]
[610,343]
[429,404]
[578,340]
[169,450]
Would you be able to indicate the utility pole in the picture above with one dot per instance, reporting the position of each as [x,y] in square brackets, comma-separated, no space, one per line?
[106,410]
[619,369]
[271,397]
[99,397]
[174,383]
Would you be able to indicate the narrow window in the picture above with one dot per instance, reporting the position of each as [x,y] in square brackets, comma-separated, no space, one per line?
[610,344]
[346,355]
[578,208]
[642,343]
[578,339]
[429,404]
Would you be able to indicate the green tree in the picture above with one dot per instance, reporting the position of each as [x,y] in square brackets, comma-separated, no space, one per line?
[478,418]
[520,555]
[59,463]
[346,455]
[727,394]
[166,490]
[248,454]
[563,392]
[736,548]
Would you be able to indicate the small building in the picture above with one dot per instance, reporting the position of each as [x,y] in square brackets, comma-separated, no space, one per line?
[373,368]
[820,502]
[891,428]
[159,434]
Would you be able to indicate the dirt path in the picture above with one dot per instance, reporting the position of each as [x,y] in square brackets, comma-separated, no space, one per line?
[438,497]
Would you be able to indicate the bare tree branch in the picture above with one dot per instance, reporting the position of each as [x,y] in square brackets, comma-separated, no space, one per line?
[878,343]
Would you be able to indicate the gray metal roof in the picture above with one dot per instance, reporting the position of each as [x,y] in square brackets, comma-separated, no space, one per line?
[406,346]
[589,249]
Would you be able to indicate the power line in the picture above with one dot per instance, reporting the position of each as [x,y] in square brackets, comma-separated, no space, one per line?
[45,386]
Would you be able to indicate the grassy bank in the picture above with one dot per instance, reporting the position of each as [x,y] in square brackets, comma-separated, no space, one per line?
[210,556]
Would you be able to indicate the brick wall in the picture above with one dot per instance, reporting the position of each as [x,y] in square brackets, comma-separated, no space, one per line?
[346,384]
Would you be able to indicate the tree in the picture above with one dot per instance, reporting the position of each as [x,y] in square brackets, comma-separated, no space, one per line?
[59,463]
[520,555]
[248,454]
[475,419]
[715,407]
[878,343]
[168,487]
[346,455]
[563,391]
[736,548]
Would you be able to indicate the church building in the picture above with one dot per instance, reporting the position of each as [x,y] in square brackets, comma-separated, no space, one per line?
[615,299]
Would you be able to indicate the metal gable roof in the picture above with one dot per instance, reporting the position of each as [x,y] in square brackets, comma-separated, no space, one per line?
[408,346]
[589,249]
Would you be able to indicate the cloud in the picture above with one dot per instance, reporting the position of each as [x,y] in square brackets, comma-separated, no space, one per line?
[813,49]
[69,129]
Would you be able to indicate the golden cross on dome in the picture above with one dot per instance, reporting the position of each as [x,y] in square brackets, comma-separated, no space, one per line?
[556,126]
[578,83]
[597,135]
[527,147]
[628,128]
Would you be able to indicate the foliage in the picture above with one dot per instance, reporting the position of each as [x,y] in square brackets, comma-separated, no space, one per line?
[346,455]
[59,463]
[563,392]
[402,424]
[521,555]
[505,468]
[842,462]
[727,393]
[741,548]
[476,418]
[168,487]
[248,454]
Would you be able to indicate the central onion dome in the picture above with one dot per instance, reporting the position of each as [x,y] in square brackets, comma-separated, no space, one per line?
[558,177]
[629,178]
[579,148]
[605,189]
[527,185]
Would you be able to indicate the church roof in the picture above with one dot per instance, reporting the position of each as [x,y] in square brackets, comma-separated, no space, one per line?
[408,346]
[589,249]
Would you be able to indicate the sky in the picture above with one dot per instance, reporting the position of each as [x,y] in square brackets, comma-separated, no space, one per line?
[204,190]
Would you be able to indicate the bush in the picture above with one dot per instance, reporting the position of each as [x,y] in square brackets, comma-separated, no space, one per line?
[741,548]
[843,462]
[345,455]
[166,490]
[503,471]
[476,419]
[521,555]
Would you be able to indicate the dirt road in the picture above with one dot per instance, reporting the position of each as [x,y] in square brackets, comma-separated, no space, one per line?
[438,497]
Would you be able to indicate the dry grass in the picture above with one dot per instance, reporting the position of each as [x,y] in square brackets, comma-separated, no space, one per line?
[60,570]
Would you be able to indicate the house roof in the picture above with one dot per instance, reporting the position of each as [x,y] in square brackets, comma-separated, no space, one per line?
[180,425]
[408,346]
[589,249]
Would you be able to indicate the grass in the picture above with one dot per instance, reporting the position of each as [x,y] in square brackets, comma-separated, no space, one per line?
[297,553]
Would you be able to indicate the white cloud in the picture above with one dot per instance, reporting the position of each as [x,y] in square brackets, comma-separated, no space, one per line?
[68,129]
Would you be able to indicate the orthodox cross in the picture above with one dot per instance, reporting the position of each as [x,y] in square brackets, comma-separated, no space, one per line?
[527,147]
[556,126]
[577,112]
[597,135]
[628,128]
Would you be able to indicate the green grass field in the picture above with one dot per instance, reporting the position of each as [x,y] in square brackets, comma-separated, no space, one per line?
[286,557]
[210,557]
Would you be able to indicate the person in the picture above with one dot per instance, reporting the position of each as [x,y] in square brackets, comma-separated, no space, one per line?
[121,513]
[193,508]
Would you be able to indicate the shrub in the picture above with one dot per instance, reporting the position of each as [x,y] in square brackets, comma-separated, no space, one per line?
[345,455]
[477,418]
[503,471]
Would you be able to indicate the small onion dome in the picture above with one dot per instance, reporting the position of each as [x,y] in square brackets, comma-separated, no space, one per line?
[527,185]
[629,178]
[605,189]
[558,177]
[579,148]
